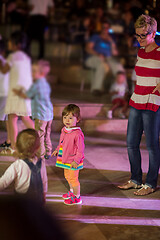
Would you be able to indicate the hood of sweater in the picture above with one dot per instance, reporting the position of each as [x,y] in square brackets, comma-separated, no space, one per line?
[69,130]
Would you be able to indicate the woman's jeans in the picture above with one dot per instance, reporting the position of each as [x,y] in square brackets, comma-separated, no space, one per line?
[149,122]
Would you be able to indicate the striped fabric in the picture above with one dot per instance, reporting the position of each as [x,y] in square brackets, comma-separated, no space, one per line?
[65,165]
[148,76]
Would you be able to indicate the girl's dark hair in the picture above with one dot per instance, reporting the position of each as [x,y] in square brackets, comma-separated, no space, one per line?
[74,109]
[19,39]
[28,143]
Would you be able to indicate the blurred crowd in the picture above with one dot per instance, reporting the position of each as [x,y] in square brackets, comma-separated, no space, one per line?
[103,29]
[75,21]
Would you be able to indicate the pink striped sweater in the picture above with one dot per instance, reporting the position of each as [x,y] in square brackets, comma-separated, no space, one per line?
[148,76]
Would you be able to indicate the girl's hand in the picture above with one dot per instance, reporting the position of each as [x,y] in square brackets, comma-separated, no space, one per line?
[157,88]
[55,153]
[74,164]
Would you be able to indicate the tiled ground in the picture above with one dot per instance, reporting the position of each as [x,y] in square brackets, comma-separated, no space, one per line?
[106,212]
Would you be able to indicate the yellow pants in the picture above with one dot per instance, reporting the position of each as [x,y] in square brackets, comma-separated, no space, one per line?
[72,177]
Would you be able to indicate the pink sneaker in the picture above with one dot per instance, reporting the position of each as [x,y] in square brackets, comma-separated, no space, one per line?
[67,195]
[73,200]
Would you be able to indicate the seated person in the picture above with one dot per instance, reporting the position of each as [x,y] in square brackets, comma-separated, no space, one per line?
[100,48]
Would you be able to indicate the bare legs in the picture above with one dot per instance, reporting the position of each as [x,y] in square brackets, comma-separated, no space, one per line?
[13,129]
[27,122]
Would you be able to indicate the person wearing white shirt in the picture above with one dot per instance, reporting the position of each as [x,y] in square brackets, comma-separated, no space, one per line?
[28,172]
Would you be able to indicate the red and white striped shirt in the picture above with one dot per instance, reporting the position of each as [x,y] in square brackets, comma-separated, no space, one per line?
[148,76]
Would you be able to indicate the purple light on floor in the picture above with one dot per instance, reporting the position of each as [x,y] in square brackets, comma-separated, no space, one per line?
[125,203]
[113,220]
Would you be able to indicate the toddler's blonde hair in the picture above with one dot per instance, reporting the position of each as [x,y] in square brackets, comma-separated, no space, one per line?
[28,143]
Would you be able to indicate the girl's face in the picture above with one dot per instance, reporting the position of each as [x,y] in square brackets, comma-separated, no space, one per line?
[69,120]
[144,37]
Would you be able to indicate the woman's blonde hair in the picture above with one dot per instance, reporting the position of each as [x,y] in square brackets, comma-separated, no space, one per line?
[28,143]
[146,21]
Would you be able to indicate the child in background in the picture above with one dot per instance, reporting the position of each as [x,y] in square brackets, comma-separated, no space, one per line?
[42,108]
[4,81]
[118,92]
[28,172]
[70,153]
[19,66]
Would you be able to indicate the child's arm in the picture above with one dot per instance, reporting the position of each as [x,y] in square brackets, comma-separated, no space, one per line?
[55,153]
[20,93]
[8,177]
[79,141]
[4,68]
[30,93]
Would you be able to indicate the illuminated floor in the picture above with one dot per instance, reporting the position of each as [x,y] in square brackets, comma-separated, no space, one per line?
[106,212]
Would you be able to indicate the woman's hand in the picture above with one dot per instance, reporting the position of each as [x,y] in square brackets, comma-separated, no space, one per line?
[74,164]
[55,153]
[157,88]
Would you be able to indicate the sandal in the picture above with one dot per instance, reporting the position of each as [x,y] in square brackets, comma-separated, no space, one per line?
[144,190]
[5,145]
[7,152]
[129,185]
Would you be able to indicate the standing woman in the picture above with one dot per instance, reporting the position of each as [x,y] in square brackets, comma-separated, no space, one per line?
[145,109]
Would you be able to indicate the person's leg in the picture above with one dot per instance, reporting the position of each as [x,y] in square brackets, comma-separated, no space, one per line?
[41,24]
[151,129]
[125,107]
[115,66]
[47,138]
[13,130]
[67,177]
[27,122]
[115,106]
[74,182]
[134,134]
[8,133]
[40,127]
[101,69]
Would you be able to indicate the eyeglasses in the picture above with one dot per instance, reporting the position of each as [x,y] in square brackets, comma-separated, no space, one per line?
[142,36]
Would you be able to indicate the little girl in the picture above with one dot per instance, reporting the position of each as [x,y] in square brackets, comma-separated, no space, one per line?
[70,152]
[28,172]
[19,66]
